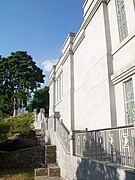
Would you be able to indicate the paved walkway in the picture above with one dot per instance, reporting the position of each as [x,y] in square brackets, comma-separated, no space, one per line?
[48,178]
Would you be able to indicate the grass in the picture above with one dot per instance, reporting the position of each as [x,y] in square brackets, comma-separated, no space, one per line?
[9,127]
[14,125]
[22,173]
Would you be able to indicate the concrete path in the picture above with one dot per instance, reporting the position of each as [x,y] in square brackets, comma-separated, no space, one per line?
[47,178]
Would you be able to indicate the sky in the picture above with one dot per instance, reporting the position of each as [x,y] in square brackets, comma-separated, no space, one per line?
[39,27]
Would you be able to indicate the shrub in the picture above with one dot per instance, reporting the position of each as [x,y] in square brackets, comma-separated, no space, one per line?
[14,125]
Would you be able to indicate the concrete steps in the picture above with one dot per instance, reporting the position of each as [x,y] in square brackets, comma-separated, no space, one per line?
[40,136]
[52,171]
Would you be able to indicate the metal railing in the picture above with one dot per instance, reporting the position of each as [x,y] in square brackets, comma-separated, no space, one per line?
[115,145]
[63,134]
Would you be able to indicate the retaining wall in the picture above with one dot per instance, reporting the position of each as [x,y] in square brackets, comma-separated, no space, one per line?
[31,157]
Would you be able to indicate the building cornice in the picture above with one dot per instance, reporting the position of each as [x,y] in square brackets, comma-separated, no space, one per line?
[68,41]
[66,55]
[78,41]
[92,12]
[73,41]
[52,75]
[85,3]
[123,74]
[88,7]
[107,1]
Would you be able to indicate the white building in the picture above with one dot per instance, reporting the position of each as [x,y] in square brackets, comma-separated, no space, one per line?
[92,85]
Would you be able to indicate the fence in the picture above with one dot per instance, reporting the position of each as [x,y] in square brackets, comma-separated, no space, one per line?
[40,119]
[115,145]
[63,134]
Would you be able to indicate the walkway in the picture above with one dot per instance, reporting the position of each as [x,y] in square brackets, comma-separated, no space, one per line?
[48,178]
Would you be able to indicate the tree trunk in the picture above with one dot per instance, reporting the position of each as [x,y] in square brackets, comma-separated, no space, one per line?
[15,108]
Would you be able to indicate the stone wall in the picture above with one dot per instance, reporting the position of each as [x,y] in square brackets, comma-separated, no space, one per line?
[50,154]
[33,157]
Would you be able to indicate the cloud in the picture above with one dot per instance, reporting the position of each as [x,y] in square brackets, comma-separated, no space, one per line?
[47,64]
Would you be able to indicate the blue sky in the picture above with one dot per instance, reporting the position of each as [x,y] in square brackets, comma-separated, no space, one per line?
[39,27]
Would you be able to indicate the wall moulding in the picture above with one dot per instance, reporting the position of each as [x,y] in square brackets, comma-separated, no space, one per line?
[123,74]
[92,12]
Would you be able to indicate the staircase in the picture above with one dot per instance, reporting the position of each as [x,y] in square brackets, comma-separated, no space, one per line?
[40,134]
[50,170]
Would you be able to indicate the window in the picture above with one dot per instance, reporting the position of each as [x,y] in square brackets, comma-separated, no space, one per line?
[129,101]
[59,88]
[121,17]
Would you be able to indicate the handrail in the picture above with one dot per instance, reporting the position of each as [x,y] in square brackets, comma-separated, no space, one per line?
[103,129]
[63,134]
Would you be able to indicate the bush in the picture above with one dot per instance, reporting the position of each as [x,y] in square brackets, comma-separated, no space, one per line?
[14,125]
[3,115]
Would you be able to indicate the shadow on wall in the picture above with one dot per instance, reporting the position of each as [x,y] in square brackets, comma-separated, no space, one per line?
[94,170]
[90,170]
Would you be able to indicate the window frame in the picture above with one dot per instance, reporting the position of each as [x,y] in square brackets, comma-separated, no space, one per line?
[126,102]
[121,19]
[59,84]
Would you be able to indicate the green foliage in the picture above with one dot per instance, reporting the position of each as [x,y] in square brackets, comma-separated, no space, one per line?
[4,130]
[13,125]
[19,72]
[3,115]
[19,76]
[6,105]
[40,100]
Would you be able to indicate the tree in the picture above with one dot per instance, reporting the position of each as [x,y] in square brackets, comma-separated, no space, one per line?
[20,75]
[40,100]
[6,106]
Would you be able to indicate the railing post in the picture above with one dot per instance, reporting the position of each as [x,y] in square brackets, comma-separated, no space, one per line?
[72,143]
[55,116]
[41,114]
[35,114]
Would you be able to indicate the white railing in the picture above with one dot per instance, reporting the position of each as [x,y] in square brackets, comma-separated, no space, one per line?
[40,119]
[115,145]
[112,145]
[62,132]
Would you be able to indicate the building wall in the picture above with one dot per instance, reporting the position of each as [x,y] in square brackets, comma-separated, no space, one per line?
[123,56]
[91,77]
[95,65]
[63,105]
[61,89]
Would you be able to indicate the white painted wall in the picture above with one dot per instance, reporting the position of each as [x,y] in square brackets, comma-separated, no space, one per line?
[91,78]
[96,62]
[64,104]
[123,55]
[120,107]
